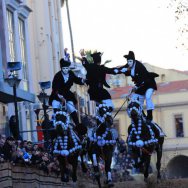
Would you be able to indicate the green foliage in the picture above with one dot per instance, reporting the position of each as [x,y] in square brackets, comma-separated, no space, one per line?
[88,56]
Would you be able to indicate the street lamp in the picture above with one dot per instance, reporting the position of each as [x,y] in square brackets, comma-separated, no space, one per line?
[43,97]
[13,82]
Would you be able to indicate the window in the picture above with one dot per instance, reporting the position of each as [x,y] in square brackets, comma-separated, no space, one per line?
[23,53]
[179,125]
[162,77]
[11,40]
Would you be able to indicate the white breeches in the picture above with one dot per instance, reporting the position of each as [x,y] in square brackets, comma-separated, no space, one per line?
[147,96]
[108,102]
[69,105]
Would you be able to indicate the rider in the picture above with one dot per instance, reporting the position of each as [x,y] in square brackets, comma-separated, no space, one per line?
[144,82]
[61,85]
[96,79]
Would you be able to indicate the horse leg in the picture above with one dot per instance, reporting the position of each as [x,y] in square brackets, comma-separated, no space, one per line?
[147,164]
[74,168]
[83,162]
[96,169]
[108,161]
[158,164]
[64,170]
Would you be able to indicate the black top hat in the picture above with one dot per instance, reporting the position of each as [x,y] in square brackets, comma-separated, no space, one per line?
[130,55]
[96,57]
[64,63]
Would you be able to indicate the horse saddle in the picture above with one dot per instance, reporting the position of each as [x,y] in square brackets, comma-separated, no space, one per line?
[158,129]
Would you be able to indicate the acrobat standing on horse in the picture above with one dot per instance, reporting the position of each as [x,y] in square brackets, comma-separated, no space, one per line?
[102,138]
[96,79]
[61,85]
[144,81]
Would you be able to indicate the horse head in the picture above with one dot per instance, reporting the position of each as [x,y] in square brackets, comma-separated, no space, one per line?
[140,133]
[61,122]
[104,115]
[134,109]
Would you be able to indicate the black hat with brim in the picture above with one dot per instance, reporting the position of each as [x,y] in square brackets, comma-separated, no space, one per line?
[130,55]
[96,57]
[64,63]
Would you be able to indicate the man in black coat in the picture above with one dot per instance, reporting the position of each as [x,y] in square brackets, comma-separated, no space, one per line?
[144,81]
[61,93]
[96,79]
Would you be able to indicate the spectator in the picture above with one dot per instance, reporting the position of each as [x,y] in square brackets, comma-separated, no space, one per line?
[29,146]
[45,162]
[13,128]
[37,157]
[7,148]
[1,150]
[46,125]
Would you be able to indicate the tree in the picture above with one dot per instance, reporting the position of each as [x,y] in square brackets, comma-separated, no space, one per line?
[180,8]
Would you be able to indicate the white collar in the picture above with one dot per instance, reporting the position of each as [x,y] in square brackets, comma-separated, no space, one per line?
[133,69]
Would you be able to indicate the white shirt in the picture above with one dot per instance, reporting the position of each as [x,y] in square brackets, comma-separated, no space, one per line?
[65,76]
[133,69]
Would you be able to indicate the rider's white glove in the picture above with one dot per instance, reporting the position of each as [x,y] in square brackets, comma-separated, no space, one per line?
[124,70]
[134,88]
[116,71]
[60,96]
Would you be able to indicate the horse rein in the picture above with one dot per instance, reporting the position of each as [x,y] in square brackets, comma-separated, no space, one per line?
[144,150]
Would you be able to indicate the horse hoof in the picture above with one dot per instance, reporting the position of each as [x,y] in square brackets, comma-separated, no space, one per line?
[158,180]
[146,180]
[110,183]
[74,185]
[65,179]
[84,168]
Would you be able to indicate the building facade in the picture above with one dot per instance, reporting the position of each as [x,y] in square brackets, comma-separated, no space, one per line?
[31,32]
[14,46]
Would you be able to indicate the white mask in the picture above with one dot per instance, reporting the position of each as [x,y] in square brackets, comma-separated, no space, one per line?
[130,62]
[65,70]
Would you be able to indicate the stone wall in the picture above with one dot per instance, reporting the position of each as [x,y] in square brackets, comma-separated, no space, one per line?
[22,177]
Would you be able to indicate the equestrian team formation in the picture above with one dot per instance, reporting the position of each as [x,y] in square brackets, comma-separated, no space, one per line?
[97,139]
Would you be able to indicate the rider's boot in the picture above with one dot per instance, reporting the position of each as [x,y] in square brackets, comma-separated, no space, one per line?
[149,115]
[74,117]
[80,129]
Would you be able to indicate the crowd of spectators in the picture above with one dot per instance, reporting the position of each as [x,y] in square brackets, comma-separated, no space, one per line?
[26,153]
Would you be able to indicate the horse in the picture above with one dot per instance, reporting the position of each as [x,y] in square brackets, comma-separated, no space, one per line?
[143,139]
[102,139]
[66,146]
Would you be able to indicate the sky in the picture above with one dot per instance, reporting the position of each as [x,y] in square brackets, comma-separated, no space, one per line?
[115,27]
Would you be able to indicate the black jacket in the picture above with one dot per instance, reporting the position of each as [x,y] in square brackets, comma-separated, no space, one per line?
[7,151]
[59,86]
[96,79]
[142,78]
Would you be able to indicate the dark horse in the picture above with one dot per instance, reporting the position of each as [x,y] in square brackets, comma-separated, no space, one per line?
[66,146]
[101,143]
[143,138]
